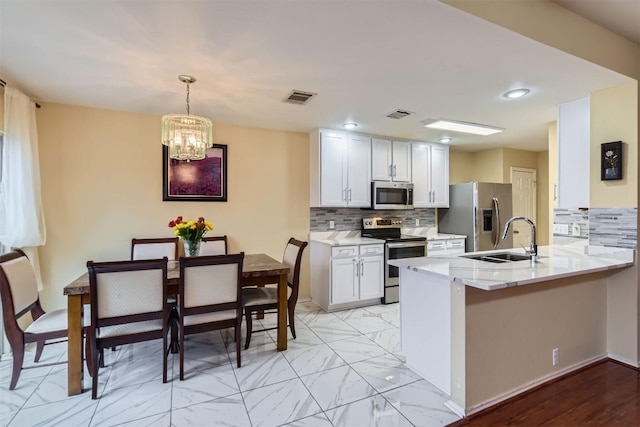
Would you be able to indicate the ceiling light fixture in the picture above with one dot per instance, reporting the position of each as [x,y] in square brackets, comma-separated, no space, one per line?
[516,93]
[445,140]
[187,136]
[465,127]
[350,126]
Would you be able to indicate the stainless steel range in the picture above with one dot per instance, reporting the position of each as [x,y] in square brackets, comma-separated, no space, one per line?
[397,246]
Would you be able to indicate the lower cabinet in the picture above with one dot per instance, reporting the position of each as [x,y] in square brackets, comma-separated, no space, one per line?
[355,275]
[451,247]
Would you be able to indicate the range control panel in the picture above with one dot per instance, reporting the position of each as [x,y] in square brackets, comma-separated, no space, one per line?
[382,222]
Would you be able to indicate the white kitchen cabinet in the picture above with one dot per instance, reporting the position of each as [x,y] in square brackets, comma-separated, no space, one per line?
[450,247]
[390,160]
[430,175]
[346,276]
[574,132]
[343,177]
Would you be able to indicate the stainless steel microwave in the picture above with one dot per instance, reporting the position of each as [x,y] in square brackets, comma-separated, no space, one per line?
[391,195]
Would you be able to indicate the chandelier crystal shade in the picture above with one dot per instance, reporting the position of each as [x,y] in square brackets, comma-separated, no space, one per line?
[187,136]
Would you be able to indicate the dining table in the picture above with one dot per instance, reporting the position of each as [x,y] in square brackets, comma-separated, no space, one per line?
[257,270]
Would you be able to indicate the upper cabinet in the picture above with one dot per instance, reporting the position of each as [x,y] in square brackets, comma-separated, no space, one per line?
[574,138]
[430,168]
[391,160]
[340,169]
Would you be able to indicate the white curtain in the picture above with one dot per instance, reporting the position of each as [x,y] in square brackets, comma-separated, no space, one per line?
[21,216]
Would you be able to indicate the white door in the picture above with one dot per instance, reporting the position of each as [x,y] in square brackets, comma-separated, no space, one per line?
[420,177]
[371,277]
[332,169]
[523,182]
[380,159]
[439,164]
[359,171]
[344,280]
[401,156]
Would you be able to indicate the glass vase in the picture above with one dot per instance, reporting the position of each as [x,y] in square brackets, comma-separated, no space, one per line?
[191,248]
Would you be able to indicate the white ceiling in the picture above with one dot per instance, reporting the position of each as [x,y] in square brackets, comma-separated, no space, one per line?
[364,59]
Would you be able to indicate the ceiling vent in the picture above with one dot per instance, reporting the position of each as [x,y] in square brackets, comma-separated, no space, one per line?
[398,114]
[299,97]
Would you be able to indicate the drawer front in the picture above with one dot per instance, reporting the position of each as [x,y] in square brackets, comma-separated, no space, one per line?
[344,251]
[436,245]
[370,250]
[455,244]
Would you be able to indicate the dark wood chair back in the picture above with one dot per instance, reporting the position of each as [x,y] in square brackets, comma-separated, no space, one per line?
[214,245]
[155,248]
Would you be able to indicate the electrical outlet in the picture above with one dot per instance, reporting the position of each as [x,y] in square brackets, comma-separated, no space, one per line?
[561,229]
[332,225]
[555,356]
[417,222]
[575,230]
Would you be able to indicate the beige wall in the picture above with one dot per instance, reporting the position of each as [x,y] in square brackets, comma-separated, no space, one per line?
[102,185]
[614,113]
[510,333]
[487,165]
[460,166]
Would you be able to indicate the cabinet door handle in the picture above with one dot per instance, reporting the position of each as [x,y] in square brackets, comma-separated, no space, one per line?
[344,194]
[355,261]
[349,194]
[390,170]
[394,170]
[361,267]
[433,197]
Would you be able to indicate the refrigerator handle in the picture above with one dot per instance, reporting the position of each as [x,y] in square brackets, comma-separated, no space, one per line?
[496,208]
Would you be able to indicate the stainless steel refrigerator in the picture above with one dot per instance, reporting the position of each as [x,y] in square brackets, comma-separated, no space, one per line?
[478,210]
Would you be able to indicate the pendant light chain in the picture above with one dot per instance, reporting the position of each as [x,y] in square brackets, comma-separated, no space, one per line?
[187,98]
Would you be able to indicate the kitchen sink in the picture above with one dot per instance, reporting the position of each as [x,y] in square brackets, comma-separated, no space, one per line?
[498,257]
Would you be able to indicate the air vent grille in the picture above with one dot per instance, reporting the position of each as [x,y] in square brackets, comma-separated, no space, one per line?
[398,114]
[299,97]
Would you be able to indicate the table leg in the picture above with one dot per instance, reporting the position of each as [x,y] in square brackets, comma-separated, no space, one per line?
[282,313]
[74,344]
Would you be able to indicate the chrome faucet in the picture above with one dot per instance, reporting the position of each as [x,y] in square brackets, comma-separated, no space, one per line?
[533,251]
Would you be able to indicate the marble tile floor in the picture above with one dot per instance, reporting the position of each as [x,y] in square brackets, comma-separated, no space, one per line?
[344,369]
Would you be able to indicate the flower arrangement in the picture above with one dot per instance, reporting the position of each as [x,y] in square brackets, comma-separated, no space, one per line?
[191,231]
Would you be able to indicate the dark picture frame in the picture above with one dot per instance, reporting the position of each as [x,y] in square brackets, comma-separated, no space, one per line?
[611,161]
[197,180]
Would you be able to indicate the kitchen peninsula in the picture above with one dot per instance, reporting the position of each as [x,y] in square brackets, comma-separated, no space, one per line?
[484,331]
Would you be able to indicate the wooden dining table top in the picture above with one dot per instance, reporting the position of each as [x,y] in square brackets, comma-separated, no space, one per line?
[254,265]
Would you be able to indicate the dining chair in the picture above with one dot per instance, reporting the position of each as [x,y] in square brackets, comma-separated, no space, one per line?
[213,245]
[266,298]
[19,293]
[128,305]
[210,297]
[155,248]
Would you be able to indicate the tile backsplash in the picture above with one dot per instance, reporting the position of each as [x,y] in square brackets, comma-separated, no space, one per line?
[616,227]
[571,217]
[350,219]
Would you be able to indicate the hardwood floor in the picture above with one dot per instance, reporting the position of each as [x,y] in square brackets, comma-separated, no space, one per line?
[603,394]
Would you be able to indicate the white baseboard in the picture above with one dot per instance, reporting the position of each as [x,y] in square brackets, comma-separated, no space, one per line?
[623,360]
[459,411]
[532,384]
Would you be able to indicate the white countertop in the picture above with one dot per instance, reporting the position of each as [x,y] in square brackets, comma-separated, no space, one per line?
[554,262]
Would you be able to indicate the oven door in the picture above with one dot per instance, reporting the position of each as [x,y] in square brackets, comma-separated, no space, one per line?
[399,250]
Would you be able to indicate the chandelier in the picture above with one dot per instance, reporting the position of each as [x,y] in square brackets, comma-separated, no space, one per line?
[187,136]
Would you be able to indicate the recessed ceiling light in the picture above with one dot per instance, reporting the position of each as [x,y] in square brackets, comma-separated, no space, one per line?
[445,140]
[465,127]
[350,126]
[516,93]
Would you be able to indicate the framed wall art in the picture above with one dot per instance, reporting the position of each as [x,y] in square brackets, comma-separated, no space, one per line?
[611,161]
[197,180]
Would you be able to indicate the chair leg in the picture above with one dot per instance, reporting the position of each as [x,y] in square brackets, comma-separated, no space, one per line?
[247,315]
[94,362]
[18,358]
[292,325]
[39,348]
[238,338]
[181,352]
[88,357]
[101,358]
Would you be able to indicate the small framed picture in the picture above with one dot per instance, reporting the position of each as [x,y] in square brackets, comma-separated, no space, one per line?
[611,161]
[197,180]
